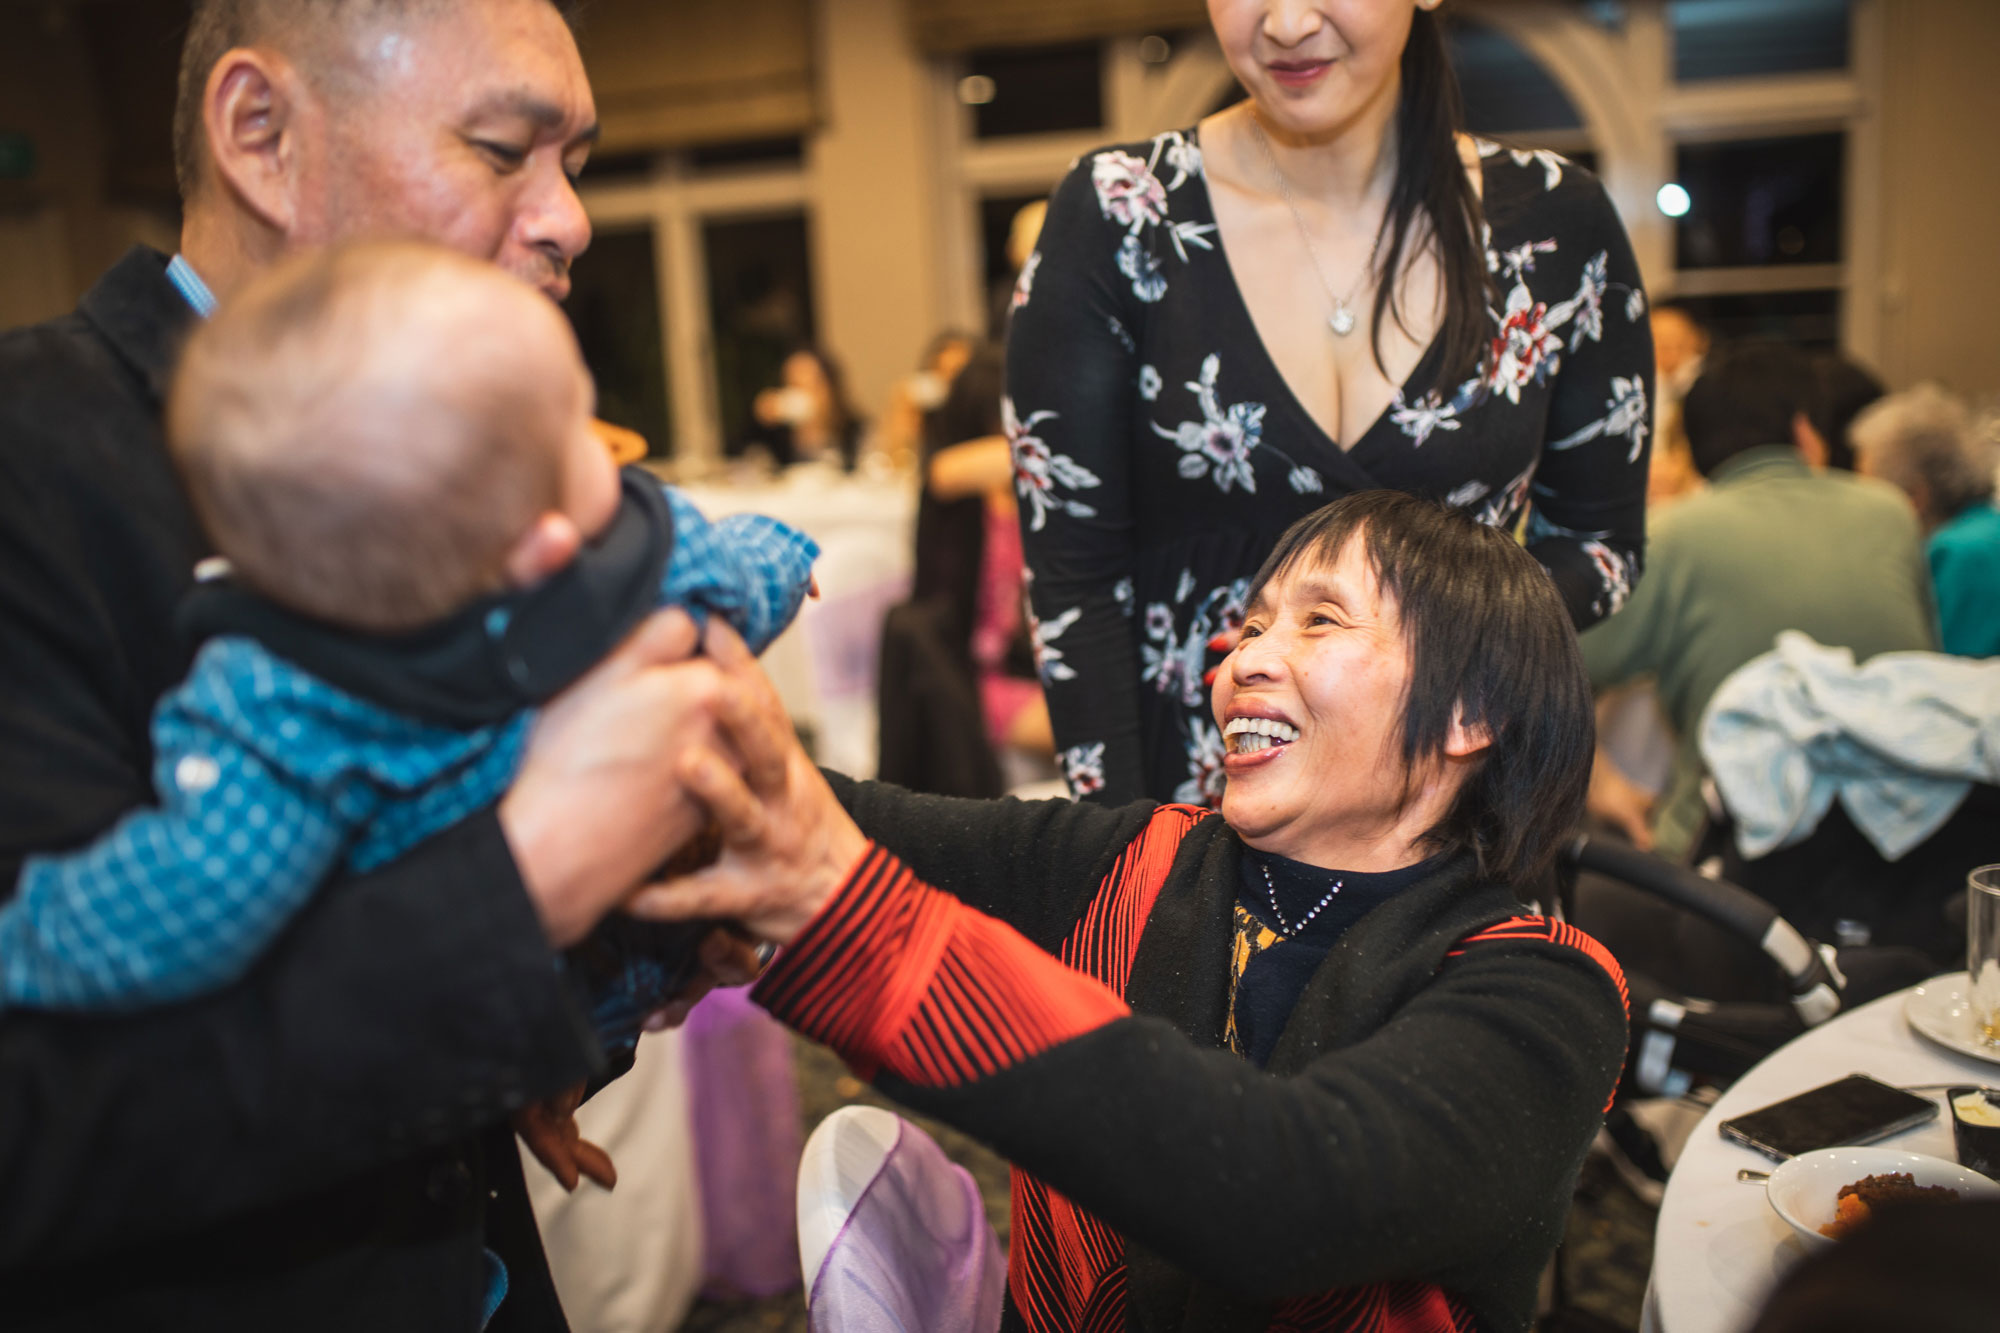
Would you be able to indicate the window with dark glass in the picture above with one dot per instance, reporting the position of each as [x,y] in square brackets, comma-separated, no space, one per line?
[1506,90]
[1037,90]
[1805,319]
[760,309]
[1755,202]
[783,152]
[614,307]
[1733,39]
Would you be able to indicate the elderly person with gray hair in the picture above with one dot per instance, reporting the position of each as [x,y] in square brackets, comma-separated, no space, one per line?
[1927,442]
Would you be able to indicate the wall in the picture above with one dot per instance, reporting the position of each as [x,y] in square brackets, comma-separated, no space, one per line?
[51,224]
[1939,194]
[58,231]
[871,183]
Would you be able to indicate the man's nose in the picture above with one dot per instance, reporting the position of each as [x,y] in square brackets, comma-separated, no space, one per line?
[556,223]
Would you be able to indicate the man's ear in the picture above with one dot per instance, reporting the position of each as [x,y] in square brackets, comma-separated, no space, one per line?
[543,549]
[1808,439]
[251,111]
[1465,740]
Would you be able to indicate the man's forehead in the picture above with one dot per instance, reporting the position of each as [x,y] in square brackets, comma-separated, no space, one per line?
[486,58]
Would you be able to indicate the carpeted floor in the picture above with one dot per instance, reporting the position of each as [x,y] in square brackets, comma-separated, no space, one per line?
[1606,1255]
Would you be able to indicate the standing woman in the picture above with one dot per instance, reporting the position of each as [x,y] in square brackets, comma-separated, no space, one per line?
[1325,288]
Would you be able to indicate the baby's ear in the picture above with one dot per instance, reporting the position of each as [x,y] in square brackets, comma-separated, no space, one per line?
[551,543]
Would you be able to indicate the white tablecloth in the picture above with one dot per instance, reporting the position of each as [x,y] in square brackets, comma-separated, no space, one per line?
[824,666]
[1719,1248]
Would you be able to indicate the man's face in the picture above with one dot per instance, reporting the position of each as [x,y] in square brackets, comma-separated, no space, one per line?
[465,127]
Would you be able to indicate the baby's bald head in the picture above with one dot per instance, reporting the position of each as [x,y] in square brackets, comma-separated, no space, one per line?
[366,432]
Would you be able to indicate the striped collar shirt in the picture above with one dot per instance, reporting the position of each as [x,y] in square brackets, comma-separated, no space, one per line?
[189,284]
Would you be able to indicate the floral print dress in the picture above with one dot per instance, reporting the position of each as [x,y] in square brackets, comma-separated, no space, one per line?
[1158,454]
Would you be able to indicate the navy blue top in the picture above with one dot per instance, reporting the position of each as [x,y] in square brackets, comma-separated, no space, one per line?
[1270,968]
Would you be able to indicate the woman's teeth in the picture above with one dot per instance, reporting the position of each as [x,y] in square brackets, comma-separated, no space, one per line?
[1247,735]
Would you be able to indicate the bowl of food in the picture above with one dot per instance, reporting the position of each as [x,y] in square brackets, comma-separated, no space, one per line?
[1826,1193]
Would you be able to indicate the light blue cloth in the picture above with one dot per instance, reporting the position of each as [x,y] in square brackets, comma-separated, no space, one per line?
[1899,742]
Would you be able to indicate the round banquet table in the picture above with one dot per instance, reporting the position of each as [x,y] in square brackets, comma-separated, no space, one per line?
[1718,1248]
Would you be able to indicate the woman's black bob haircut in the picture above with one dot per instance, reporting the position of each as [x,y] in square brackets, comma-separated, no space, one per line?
[1487,634]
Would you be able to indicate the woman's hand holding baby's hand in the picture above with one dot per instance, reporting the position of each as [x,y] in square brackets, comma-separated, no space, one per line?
[787,846]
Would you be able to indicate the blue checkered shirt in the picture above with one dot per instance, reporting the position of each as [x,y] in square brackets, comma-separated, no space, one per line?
[268,778]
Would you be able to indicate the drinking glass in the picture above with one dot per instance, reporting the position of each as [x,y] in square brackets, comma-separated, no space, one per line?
[1982,950]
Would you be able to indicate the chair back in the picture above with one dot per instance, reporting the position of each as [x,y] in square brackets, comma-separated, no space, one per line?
[893,1236]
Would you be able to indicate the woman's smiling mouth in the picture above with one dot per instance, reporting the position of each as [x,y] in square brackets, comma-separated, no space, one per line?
[1297,73]
[1251,735]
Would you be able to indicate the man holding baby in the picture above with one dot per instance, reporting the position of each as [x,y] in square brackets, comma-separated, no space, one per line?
[324,1142]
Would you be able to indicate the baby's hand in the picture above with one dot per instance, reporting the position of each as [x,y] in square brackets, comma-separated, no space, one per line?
[549,1129]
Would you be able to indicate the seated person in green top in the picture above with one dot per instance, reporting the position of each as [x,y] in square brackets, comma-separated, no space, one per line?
[1301,1064]
[1925,441]
[1771,544]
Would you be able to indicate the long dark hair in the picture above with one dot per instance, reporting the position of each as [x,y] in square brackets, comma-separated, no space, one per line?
[1490,642]
[1431,184]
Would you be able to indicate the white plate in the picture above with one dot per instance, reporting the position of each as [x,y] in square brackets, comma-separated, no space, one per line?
[1805,1190]
[1941,1009]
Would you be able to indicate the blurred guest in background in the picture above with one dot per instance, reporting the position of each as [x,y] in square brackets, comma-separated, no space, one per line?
[1172,409]
[1022,235]
[969,549]
[1926,442]
[959,689]
[1842,387]
[1771,544]
[1680,342]
[900,436]
[807,417]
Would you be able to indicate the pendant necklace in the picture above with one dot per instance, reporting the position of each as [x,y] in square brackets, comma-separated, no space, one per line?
[1304,921]
[1342,320]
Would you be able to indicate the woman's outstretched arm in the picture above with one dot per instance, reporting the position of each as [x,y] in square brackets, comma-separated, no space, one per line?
[1432,1138]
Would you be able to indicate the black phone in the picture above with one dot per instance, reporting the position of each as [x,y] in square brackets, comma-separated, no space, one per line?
[1852,1110]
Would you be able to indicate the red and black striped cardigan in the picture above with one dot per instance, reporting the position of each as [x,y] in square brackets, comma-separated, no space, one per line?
[1051,977]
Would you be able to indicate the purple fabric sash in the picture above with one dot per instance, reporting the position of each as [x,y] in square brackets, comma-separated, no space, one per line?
[744,1118]
[916,1254]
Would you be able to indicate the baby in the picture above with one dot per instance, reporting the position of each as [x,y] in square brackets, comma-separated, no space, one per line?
[392,446]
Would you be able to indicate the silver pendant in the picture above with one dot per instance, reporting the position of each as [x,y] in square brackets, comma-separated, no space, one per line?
[1342,320]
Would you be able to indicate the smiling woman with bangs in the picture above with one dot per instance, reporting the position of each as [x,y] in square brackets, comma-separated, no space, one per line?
[1303,1065]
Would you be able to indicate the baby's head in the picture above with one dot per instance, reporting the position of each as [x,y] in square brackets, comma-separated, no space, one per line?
[379,433]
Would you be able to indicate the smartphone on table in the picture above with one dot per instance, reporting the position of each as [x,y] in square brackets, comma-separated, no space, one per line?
[1849,1111]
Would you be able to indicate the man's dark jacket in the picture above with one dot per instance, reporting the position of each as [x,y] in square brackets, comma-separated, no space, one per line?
[323,1144]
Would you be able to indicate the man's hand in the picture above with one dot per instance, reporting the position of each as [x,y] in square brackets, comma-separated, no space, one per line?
[599,801]
[787,846]
[549,1129]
